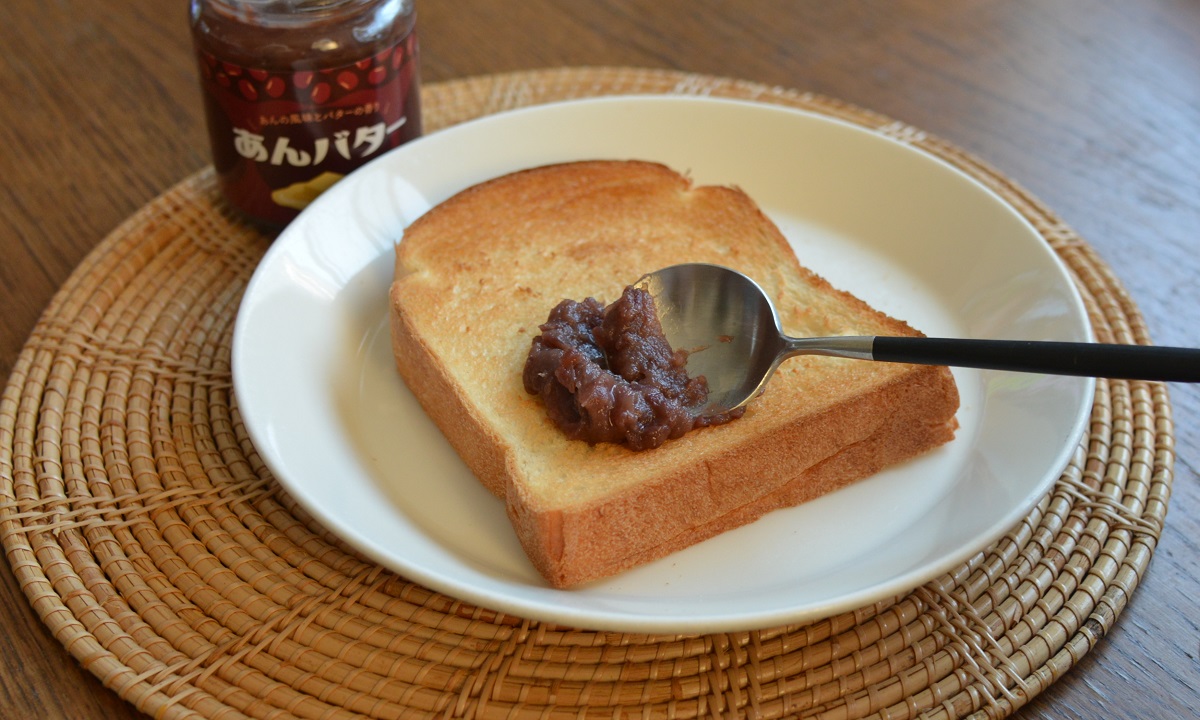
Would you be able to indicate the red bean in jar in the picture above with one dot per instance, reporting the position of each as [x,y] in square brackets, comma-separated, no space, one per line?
[298,93]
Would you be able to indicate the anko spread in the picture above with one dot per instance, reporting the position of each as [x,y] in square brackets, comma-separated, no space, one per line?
[608,374]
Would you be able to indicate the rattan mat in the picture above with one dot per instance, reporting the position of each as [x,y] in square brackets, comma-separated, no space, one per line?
[148,535]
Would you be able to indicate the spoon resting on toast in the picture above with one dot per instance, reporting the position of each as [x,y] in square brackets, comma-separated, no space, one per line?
[734,339]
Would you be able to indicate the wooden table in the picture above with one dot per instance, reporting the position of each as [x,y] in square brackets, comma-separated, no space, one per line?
[1093,105]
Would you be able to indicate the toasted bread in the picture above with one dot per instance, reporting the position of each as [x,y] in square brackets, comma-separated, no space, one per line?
[477,274]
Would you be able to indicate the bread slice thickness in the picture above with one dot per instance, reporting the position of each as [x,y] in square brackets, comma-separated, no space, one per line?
[477,275]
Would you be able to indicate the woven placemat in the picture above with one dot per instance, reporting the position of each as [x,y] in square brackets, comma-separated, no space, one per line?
[150,538]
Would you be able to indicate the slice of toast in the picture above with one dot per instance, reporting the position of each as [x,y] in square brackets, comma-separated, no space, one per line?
[477,274]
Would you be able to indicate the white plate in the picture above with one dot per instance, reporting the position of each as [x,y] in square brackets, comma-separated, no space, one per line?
[907,232]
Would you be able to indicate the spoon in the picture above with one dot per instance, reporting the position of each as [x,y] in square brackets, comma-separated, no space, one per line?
[735,341]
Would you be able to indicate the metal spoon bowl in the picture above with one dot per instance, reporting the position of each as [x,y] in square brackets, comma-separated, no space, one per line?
[734,339]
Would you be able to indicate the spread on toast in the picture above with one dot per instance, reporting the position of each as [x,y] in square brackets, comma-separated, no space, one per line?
[608,374]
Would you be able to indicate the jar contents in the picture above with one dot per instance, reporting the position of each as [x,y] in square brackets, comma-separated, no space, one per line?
[608,374]
[298,93]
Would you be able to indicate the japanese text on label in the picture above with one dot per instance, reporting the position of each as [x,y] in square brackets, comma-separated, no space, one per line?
[366,141]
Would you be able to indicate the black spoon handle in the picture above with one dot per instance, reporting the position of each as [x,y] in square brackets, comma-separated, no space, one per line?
[1128,362]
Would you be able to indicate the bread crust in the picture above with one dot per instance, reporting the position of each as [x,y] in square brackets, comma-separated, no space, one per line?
[478,273]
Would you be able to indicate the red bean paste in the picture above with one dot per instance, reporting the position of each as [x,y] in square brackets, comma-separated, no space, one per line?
[608,374]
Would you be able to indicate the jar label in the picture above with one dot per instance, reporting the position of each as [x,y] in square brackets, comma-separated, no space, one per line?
[281,138]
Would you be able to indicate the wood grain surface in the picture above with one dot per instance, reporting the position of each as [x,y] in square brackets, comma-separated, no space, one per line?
[1093,105]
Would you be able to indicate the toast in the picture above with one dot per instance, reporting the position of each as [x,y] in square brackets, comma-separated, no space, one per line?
[476,275]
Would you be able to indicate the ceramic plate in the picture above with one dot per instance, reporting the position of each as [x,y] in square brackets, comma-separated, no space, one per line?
[912,235]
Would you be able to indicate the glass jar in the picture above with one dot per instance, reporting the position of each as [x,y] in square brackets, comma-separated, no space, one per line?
[298,93]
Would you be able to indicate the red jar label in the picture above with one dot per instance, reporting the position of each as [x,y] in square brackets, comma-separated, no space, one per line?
[280,138]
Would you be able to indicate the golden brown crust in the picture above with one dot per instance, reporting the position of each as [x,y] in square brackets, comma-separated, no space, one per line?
[476,275]
[685,508]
